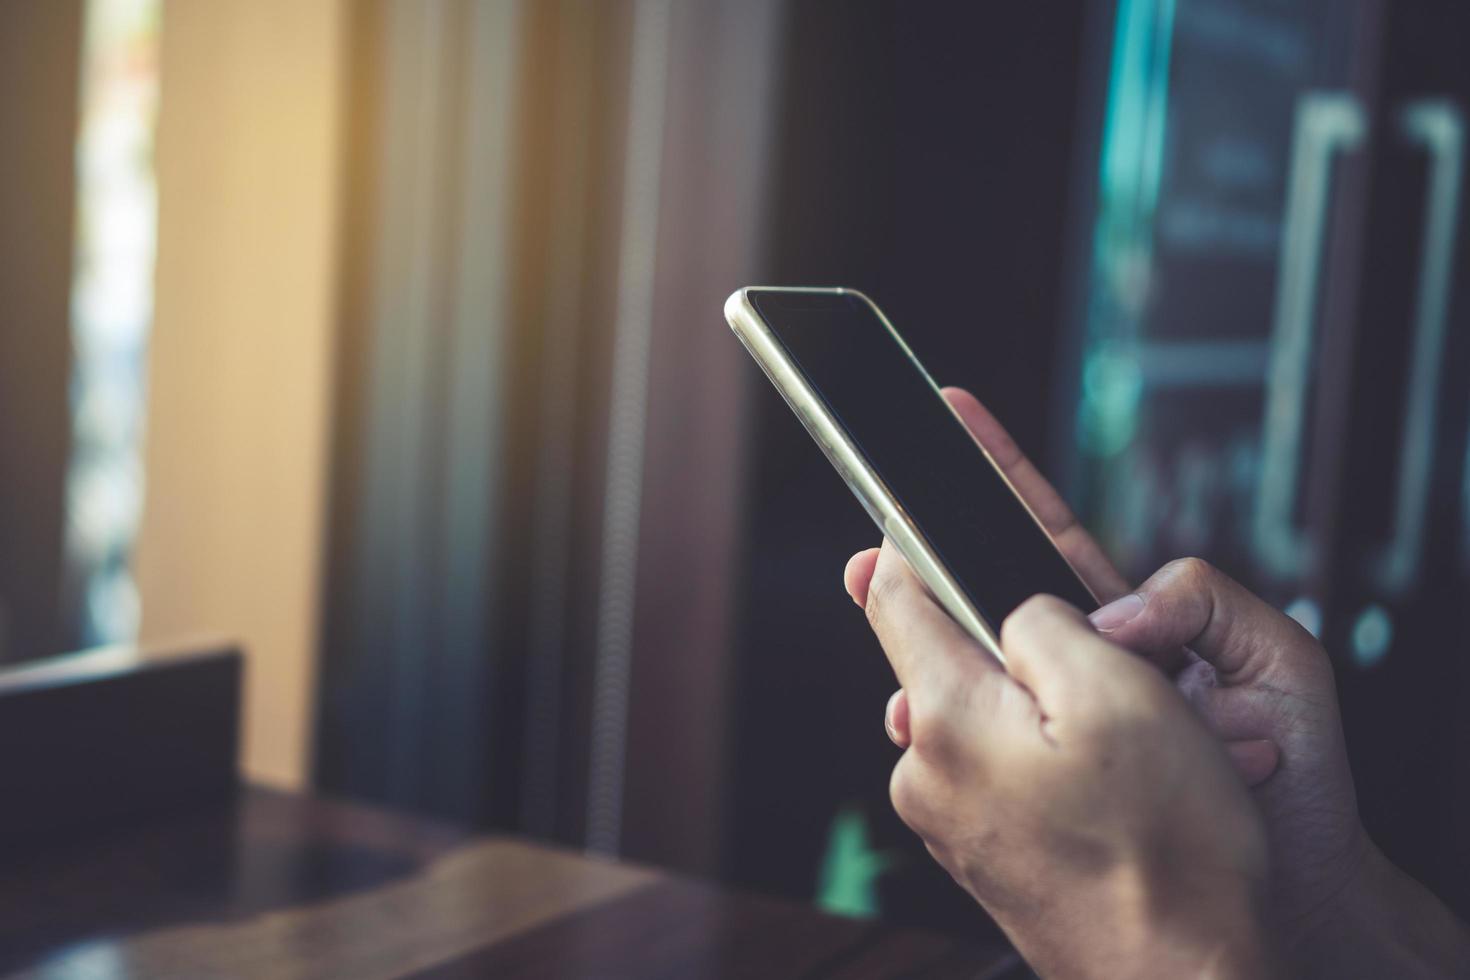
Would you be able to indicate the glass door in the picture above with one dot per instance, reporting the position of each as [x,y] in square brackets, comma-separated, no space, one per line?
[1272,354]
[1394,615]
[1231,130]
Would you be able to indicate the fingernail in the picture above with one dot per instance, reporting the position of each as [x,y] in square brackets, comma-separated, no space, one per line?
[1117,613]
[888,716]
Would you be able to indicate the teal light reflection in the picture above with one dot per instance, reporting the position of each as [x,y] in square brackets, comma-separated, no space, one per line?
[1132,161]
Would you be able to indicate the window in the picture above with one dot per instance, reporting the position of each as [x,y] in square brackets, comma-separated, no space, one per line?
[111,312]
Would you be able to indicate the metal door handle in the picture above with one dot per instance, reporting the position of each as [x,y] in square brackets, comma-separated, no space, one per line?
[1327,124]
[1439,126]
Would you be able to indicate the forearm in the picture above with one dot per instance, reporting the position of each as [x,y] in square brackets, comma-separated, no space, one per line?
[1222,937]
[1213,929]
[1227,952]
[1386,925]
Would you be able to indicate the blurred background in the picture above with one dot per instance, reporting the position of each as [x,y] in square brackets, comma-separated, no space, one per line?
[386,337]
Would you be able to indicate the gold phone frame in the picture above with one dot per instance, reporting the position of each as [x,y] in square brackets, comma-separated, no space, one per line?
[880,502]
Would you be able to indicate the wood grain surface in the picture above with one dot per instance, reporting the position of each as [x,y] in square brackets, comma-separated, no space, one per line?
[288,886]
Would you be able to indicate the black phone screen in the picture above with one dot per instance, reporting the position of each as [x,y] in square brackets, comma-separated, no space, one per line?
[955,496]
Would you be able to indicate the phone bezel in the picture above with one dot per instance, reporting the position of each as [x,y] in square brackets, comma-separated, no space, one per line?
[880,502]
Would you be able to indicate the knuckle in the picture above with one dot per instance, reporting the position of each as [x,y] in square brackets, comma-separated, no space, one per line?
[881,590]
[929,736]
[1026,617]
[901,790]
[1118,722]
[1313,656]
[1198,683]
[906,795]
[1193,572]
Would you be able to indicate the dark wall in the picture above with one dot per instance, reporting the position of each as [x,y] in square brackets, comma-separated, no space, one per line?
[1406,726]
[924,155]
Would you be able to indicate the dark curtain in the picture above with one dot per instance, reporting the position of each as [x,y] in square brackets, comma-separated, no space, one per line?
[539,411]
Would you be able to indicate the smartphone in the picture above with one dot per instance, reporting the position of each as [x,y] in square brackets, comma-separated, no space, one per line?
[923,478]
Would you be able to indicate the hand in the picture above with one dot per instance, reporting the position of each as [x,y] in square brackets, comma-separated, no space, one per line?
[1340,907]
[1253,673]
[1076,797]
[1254,758]
[1338,903]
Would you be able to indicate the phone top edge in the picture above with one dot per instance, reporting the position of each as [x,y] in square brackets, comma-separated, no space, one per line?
[796,289]
[881,505]
[824,290]
[733,303]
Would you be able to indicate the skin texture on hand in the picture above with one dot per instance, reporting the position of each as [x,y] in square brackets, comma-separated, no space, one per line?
[1264,687]
[1339,907]
[1076,797]
[1253,673]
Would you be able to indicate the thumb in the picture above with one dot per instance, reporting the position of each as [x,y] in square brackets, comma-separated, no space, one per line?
[1188,603]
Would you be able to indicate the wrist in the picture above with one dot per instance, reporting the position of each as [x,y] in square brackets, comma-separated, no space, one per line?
[1382,922]
[1130,925]
[1213,929]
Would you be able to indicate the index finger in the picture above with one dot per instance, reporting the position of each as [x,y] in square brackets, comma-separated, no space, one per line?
[1072,538]
[927,649]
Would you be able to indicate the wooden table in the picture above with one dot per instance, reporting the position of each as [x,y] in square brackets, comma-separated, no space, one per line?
[288,886]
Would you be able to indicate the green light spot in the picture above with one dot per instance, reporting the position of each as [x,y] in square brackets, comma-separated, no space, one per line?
[1372,636]
[1112,387]
[846,884]
[1307,613]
